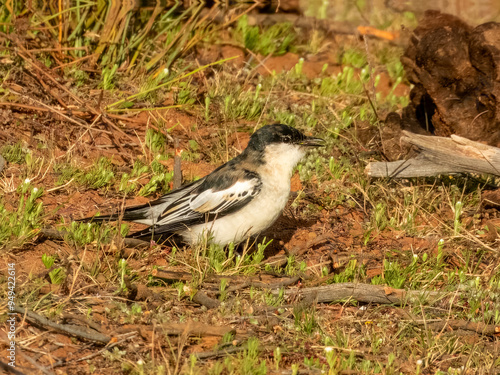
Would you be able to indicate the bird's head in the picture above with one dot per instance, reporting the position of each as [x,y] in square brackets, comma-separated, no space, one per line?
[280,145]
[280,134]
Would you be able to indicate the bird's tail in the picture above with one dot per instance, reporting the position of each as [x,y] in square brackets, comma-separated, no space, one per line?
[139,214]
[113,217]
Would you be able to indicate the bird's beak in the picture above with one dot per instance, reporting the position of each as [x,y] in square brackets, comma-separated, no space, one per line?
[312,142]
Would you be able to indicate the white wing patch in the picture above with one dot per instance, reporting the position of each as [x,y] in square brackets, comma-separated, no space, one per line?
[192,207]
[211,201]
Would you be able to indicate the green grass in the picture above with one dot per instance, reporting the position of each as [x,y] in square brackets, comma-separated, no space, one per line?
[17,226]
[416,234]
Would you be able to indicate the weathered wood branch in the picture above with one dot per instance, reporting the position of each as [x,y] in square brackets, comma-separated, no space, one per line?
[440,155]
[480,328]
[362,293]
[78,331]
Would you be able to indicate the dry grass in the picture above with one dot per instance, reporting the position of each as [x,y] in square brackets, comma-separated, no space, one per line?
[165,310]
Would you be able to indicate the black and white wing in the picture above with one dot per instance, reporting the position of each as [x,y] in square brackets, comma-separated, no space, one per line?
[214,198]
[150,212]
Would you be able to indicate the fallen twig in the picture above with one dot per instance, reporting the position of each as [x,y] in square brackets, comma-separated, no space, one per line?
[360,292]
[481,328]
[219,353]
[2,163]
[73,330]
[201,298]
[9,369]
[189,328]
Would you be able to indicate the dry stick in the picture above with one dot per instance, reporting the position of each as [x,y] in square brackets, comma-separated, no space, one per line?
[288,281]
[49,91]
[201,298]
[177,164]
[2,163]
[9,369]
[54,234]
[360,292]
[481,328]
[25,106]
[219,353]
[83,319]
[192,328]
[77,331]
[35,364]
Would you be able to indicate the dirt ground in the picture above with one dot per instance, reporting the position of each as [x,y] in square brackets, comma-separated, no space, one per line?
[157,309]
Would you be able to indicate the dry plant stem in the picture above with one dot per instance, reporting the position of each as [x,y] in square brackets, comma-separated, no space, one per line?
[177,164]
[73,330]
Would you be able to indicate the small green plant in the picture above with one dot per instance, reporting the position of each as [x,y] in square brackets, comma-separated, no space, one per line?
[57,275]
[222,289]
[395,275]
[160,180]
[99,175]
[239,104]
[221,259]
[273,299]
[108,77]
[14,153]
[277,357]
[351,272]
[305,320]
[20,225]
[81,234]
[129,181]
[292,268]
[155,140]
[248,361]
[338,168]
[354,57]
[457,215]
[276,40]
[186,94]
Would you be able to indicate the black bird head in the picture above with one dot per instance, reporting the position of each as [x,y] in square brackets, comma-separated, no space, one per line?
[279,133]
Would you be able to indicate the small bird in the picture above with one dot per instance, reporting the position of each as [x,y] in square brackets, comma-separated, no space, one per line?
[239,199]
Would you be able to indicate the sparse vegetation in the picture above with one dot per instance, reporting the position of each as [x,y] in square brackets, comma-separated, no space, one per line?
[90,113]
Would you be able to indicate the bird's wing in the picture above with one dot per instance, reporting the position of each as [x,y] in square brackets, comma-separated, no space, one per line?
[219,195]
[150,212]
